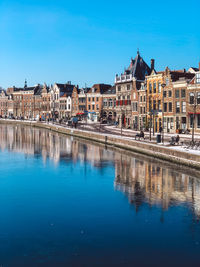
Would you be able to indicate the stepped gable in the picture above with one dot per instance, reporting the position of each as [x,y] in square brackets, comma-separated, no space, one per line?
[138,68]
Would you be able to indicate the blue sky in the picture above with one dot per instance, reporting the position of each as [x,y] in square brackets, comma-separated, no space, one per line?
[90,41]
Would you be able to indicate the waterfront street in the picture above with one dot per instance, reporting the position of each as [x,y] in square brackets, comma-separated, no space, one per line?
[185,152]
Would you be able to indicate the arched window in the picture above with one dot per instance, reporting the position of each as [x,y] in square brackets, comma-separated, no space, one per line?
[191,98]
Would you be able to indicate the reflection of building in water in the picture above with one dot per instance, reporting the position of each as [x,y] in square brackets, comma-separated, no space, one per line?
[140,180]
[144,181]
[33,141]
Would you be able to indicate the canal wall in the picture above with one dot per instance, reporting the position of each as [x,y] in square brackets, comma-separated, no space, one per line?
[153,150]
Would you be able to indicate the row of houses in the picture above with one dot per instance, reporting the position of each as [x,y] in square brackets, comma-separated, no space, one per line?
[58,101]
[141,98]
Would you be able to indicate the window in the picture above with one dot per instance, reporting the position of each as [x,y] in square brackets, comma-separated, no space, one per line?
[97,106]
[198,98]
[92,107]
[154,88]
[89,107]
[140,98]
[128,86]
[97,99]
[170,106]
[177,93]
[167,81]
[177,107]
[110,102]
[105,102]
[144,98]
[140,110]
[165,93]
[123,100]
[134,106]
[93,99]
[165,107]
[89,99]
[154,104]
[150,88]
[159,104]
[198,121]
[159,87]
[170,93]
[144,110]
[182,93]
[191,98]
[198,77]
[119,88]
[183,106]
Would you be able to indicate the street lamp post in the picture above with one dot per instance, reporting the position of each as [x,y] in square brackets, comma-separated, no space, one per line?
[121,121]
[163,86]
[150,113]
[194,113]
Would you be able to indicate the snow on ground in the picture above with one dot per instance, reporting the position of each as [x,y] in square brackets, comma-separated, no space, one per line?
[184,149]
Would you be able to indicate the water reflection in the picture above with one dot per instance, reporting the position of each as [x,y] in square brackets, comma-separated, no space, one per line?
[144,181]
[141,180]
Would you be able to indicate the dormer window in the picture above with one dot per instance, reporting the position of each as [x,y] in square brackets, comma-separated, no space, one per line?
[198,78]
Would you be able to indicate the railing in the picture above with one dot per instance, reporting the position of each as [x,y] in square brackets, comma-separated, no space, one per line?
[123,78]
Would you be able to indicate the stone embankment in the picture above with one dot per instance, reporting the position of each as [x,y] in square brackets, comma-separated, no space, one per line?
[173,155]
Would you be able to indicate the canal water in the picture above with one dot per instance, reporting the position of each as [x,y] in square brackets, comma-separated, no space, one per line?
[67,202]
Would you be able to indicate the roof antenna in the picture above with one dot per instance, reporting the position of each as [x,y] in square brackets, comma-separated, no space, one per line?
[138,52]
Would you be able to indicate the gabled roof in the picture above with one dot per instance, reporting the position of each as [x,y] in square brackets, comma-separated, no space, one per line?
[65,88]
[99,88]
[176,75]
[3,91]
[138,68]
[193,69]
[110,91]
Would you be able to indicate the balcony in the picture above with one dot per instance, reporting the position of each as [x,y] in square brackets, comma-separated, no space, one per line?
[123,78]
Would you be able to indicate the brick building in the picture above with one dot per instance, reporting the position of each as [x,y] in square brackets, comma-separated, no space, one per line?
[193,103]
[3,104]
[109,104]
[64,92]
[94,101]
[166,99]
[142,107]
[127,86]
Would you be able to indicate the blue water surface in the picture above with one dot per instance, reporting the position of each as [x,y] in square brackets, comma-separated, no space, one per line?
[88,206]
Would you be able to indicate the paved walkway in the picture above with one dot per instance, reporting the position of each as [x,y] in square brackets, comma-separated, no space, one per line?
[130,134]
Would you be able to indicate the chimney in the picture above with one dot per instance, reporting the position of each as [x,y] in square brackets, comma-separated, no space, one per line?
[152,64]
